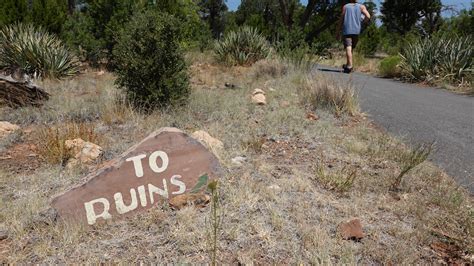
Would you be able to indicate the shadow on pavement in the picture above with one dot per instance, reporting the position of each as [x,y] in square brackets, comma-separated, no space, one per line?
[330,70]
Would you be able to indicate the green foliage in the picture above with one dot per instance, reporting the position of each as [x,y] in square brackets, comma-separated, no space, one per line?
[49,14]
[149,62]
[35,52]
[213,12]
[438,58]
[389,67]
[462,24]
[242,47]
[401,15]
[370,40]
[77,34]
[12,11]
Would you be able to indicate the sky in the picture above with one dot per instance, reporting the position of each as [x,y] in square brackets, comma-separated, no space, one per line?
[458,4]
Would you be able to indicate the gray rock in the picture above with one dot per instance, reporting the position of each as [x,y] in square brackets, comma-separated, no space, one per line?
[239,160]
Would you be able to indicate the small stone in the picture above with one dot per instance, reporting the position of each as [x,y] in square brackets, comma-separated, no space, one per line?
[6,128]
[276,188]
[258,91]
[312,116]
[229,85]
[208,140]
[271,89]
[239,160]
[199,200]
[285,104]
[100,73]
[351,230]
[84,152]
[259,99]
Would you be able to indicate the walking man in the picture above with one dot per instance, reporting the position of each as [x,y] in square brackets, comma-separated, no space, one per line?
[350,26]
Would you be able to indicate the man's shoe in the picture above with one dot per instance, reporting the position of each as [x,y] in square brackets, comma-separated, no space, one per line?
[347,70]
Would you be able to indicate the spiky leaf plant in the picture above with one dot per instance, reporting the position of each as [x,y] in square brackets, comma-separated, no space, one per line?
[242,47]
[438,58]
[35,52]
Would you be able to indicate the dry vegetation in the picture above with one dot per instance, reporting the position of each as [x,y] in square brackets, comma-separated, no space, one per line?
[301,179]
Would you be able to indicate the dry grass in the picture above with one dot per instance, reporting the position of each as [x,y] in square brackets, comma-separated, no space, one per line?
[275,210]
[321,92]
[52,140]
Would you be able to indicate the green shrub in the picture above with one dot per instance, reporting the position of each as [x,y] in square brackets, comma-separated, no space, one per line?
[149,62]
[35,52]
[389,67]
[370,40]
[242,47]
[438,58]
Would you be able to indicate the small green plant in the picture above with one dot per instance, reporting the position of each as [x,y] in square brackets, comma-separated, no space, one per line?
[411,159]
[389,67]
[215,221]
[149,62]
[340,181]
[35,52]
[242,47]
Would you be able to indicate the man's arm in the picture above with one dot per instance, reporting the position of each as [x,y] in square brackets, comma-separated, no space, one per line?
[366,13]
[341,23]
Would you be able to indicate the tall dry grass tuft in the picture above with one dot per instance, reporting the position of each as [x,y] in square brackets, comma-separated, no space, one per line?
[322,92]
[52,140]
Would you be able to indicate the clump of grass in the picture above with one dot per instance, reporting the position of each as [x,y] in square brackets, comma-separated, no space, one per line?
[390,67]
[242,47]
[35,52]
[340,181]
[269,68]
[52,140]
[317,93]
[411,159]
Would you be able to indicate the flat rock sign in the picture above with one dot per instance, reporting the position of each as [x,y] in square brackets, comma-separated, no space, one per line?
[167,163]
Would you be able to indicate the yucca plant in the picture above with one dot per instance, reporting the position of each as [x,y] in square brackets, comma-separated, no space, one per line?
[438,58]
[35,52]
[242,47]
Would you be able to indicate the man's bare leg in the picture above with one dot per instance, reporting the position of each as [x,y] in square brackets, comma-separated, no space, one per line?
[349,56]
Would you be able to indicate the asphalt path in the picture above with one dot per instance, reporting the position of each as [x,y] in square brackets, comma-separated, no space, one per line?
[419,115]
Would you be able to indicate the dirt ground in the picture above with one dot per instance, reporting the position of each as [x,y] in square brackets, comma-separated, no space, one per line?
[301,177]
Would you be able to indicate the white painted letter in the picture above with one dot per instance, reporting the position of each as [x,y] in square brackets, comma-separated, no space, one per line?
[142,194]
[137,164]
[163,192]
[120,205]
[180,184]
[164,159]
[90,212]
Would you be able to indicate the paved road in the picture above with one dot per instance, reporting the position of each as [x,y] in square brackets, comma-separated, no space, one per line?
[422,114]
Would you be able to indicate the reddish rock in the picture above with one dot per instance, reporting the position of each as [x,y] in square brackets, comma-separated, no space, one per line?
[166,164]
[181,201]
[351,230]
[312,116]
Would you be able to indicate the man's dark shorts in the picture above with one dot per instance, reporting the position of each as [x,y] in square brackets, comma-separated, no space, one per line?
[350,40]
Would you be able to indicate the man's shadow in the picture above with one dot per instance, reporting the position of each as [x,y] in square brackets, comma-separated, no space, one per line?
[330,70]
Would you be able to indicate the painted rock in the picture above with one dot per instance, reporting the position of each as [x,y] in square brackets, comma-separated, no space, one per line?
[166,164]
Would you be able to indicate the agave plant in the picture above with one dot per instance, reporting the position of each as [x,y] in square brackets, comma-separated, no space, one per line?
[242,47]
[35,52]
[438,58]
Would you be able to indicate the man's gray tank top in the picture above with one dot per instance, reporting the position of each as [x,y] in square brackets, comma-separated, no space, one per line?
[352,19]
